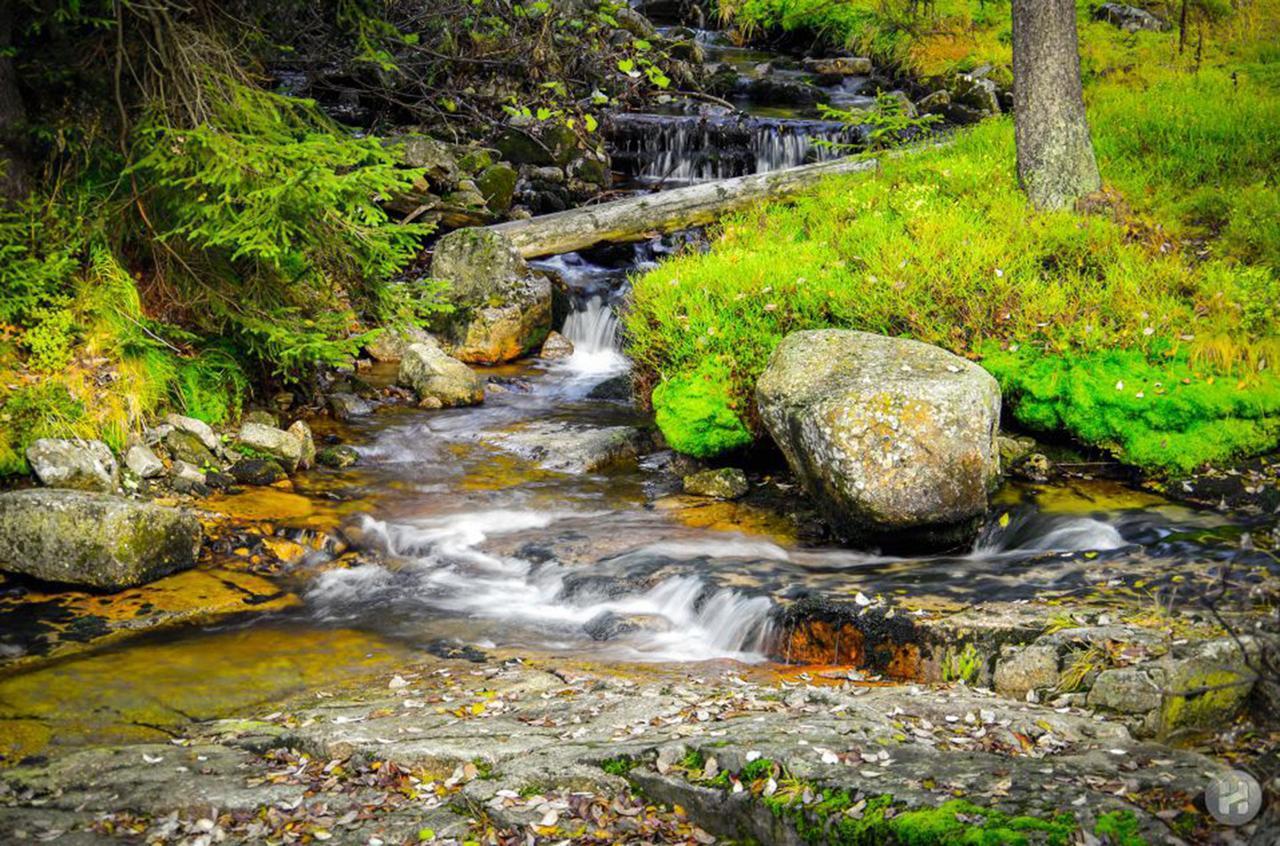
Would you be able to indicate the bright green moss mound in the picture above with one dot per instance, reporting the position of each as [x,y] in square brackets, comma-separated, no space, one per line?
[940,246]
[696,414]
[1164,415]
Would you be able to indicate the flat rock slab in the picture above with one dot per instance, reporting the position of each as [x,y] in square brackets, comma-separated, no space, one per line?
[567,448]
[514,743]
[92,539]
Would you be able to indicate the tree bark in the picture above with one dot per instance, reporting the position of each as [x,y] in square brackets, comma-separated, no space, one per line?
[636,218]
[1055,156]
[14,178]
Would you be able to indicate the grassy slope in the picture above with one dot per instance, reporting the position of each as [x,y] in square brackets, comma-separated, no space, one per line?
[1144,331]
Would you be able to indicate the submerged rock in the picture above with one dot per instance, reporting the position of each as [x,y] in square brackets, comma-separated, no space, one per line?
[283,446]
[610,625]
[436,376]
[574,449]
[73,463]
[890,436]
[93,539]
[346,406]
[722,483]
[258,471]
[504,307]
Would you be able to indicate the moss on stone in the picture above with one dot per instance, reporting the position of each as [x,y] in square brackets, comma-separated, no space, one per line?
[697,413]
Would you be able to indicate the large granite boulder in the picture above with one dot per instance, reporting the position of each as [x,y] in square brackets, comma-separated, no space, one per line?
[504,306]
[73,463]
[95,540]
[437,376]
[893,438]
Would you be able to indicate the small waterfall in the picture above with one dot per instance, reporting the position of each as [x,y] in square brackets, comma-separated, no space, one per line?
[675,150]
[597,346]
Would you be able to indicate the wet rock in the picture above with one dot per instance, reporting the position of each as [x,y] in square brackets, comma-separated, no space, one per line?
[390,344]
[73,463]
[187,446]
[888,435]
[839,66]
[771,90]
[977,93]
[687,50]
[1128,690]
[260,440]
[635,23]
[143,462]
[610,625]
[337,456]
[722,483]
[1014,449]
[347,406]
[934,103]
[199,428]
[187,478]
[300,430]
[93,539]
[1130,18]
[434,375]
[258,471]
[574,449]
[614,388]
[1036,467]
[436,157]
[504,307]
[556,346]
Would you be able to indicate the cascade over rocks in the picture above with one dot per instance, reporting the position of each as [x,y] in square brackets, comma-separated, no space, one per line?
[96,540]
[504,305]
[890,436]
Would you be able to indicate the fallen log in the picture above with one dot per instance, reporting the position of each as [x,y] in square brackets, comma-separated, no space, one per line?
[641,217]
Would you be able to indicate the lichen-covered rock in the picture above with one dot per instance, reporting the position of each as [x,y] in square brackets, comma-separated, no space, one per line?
[1207,688]
[188,446]
[389,344]
[199,428]
[73,463]
[436,376]
[504,307]
[1026,668]
[93,539]
[888,435]
[556,346]
[144,463]
[260,415]
[302,432]
[337,456]
[976,92]
[260,440]
[721,483]
[1126,690]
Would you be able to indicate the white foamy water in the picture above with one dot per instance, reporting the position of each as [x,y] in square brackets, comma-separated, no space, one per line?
[443,568]
[597,348]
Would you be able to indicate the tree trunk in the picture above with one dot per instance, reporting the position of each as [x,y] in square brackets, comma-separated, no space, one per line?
[14,180]
[1055,156]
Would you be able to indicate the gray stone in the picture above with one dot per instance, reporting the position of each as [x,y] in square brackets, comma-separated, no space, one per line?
[504,307]
[568,448]
[610,625]
[199,428]
[143,462]
[497,184]
[1026,668]
[614,388]
[259,415]
[556,346]
[434,375]
[73,463]
[1128,690]
[934,103]
[635,23]
[337,456]
[975,92]
[1130,18]
[283,446]
[302,432]
[93,539]
[1014,449]
[839,66]
[187,446]
[389,344]
[888,435]
[347,406]
[722,483]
